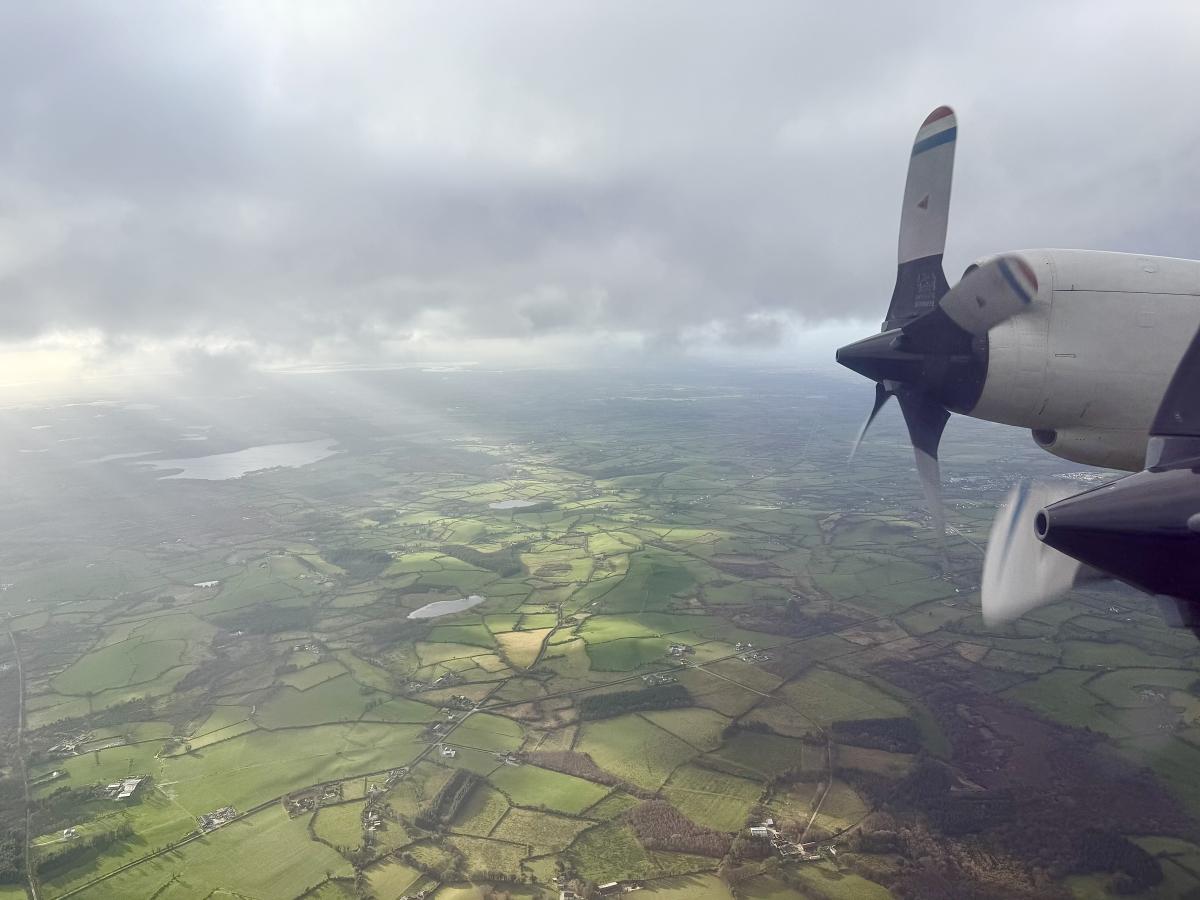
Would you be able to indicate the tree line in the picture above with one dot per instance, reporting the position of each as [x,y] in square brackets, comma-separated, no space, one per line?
[505,563]
[659,696]
[898,735]
[447,801]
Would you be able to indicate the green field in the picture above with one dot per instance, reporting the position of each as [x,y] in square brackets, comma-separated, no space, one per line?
[123,664]
[536,787]
[714,799]
[825,696]
[268,855]
[339,826]
[339,699]
[764,754]
[483,810]
[391,878]
[544,832]
[635,749]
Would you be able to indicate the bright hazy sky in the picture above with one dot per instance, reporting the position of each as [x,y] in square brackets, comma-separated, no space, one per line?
[608,182]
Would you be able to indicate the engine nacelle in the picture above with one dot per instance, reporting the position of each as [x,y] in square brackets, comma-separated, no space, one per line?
[1089,360]
[1109,449]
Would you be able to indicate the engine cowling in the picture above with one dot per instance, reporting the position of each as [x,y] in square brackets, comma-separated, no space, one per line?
[1109,449]
[1086,365]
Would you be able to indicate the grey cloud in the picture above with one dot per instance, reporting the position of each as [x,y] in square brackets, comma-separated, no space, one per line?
[286,175]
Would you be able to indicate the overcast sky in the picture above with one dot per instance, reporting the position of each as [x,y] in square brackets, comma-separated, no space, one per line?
[551,180]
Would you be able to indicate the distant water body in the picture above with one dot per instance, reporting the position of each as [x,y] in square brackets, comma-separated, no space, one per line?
[513,504]
[223,466]
[445,607]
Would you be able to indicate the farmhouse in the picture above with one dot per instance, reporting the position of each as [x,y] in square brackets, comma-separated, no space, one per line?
[449,752]
[217,818]
[123,790]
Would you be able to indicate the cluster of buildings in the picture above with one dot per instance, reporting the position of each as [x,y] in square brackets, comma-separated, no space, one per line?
[747,653]
[658,678]
[217,818]
[372,820]
[393,777]
[311,798]
[608,889]
[786,849]
[70,746]
[296,806]
[449,679]
[124,789]
[680,650]
[447,752]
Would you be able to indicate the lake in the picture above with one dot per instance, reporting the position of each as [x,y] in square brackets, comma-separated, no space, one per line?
[445,607]
[223,466]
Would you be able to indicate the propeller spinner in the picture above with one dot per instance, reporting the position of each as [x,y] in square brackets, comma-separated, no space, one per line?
[931,353]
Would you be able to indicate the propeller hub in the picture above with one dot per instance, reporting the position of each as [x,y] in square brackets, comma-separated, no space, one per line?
[880,358]
[952,374]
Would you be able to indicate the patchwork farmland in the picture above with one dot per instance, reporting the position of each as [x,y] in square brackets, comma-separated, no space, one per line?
[687,628]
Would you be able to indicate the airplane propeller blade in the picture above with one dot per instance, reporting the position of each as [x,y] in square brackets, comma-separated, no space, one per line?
[940,373]
[986,296]
[926,420]
[924,214]
[991,293]
[881,397]
[1020,572]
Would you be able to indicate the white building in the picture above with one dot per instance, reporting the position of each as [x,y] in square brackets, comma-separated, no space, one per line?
[127,788]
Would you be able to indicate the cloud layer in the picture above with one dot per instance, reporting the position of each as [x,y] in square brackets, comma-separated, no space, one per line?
[348,181]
